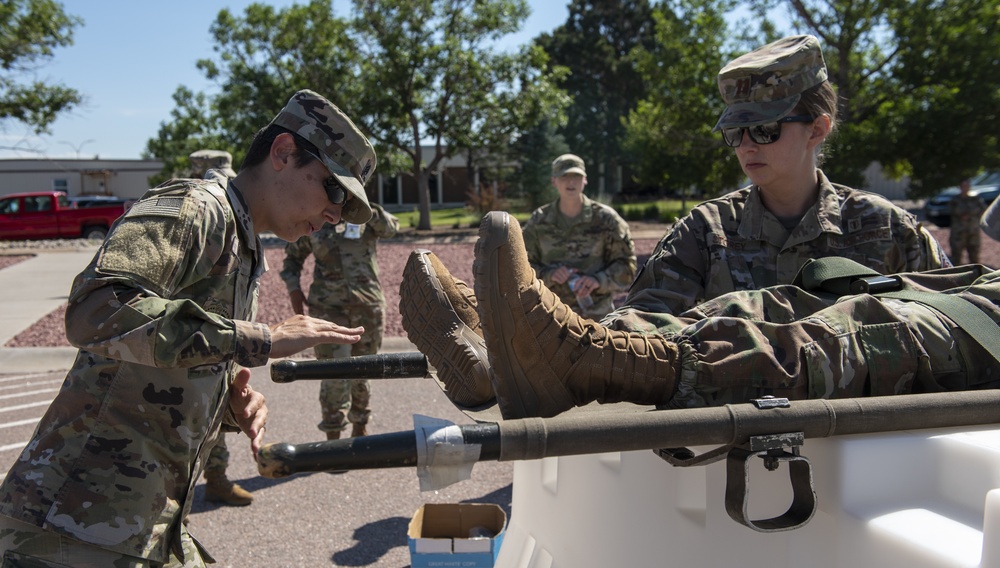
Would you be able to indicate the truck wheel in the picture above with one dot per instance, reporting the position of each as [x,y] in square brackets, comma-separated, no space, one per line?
[95,233]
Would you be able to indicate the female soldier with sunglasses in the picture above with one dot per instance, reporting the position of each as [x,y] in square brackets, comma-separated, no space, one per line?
[780,110]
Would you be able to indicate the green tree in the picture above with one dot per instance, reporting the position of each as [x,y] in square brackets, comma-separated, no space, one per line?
[189,129]
[595,43]
[669,133]
[30,30]
[919,82]
[537,148]
[431,76]
[263,57]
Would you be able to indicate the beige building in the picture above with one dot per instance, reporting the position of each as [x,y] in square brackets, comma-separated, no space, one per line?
[120,178]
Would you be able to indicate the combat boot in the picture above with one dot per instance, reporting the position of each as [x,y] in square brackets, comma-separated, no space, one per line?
[440,317]
[547,359]
[359,430]
[218,489]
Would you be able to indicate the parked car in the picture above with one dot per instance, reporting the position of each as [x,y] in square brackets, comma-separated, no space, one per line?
[49,215]
[83,201]
[938,208]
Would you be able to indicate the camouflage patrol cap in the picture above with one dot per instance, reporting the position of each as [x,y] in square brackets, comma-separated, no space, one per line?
[343,149]
[204,160]
[766,84]
[568,164]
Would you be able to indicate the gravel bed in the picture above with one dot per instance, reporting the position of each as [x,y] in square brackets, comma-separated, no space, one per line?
[456,252]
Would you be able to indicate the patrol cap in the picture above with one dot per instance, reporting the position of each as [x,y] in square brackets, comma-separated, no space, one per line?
[342,148]
[568,164]
[766,84]
[204,160]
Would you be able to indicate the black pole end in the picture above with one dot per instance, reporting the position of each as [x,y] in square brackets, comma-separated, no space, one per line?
[276,460]
[283,371]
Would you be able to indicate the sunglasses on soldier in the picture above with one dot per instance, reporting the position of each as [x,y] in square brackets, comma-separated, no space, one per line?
[762,133]
[335,192]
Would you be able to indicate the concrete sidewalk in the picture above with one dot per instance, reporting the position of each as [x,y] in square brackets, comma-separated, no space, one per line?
[29,291]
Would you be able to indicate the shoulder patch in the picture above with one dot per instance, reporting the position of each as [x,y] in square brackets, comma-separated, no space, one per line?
[157,206]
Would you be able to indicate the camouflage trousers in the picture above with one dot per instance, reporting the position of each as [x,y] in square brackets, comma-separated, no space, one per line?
[787,342]
[962,241]
[346,401]
[26,546]
[218,457]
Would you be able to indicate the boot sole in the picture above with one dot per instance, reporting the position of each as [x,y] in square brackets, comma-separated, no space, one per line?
[457,352]
[512,398]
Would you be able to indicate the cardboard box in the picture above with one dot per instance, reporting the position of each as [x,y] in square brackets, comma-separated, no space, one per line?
[439,535]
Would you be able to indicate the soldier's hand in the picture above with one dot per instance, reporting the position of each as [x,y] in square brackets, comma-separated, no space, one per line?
[562,274]
[249,408]
[586,285]
[299,333]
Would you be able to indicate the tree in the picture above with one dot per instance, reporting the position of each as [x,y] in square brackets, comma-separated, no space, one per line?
[538,147]
[264,57]
[919,82]
[190,129]
[30,30]
[604,84]
[429,74]
[669,133]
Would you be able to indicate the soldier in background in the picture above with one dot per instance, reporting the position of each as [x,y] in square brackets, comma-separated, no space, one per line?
[966,210]
[580,248]
[217,165]
[345,289]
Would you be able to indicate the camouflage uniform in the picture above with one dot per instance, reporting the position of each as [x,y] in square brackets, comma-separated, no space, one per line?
[345,290]
[596,243]
[965,213]
[162,317]
[785,341]
[734,243]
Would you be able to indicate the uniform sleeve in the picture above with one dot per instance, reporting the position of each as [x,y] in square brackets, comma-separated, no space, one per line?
[672,279]
[619,257]
[125,306]
[295,257]
[384,224]
[990,221]
[923,252]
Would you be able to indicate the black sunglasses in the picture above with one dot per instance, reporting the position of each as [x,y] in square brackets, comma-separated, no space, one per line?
[335,192]
[762,133]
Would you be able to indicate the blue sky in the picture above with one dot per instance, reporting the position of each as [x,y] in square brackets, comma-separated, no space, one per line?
[128,58]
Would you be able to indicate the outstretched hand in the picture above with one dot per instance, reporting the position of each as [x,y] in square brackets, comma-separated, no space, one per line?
[300,332]
[249,408]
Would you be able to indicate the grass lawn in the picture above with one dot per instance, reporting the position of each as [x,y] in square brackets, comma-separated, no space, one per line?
[660,211]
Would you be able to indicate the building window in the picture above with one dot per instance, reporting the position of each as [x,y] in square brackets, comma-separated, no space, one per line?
[60,185]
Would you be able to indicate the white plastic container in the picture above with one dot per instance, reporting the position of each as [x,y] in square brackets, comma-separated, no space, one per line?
[928,498]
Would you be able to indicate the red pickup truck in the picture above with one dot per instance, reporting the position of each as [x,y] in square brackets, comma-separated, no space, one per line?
[51,215]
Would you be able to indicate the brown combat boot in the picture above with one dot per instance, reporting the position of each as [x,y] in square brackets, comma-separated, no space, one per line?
[440,317]
[218,489]
[359,430]
[547,359]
